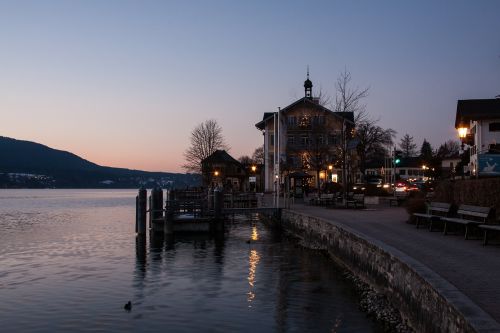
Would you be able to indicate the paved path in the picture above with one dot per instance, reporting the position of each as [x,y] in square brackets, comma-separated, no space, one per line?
[472,268]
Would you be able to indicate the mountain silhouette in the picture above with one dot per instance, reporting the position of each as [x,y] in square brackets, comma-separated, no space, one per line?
[30,164]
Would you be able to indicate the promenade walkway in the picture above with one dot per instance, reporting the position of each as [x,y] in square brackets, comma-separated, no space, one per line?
[472,268]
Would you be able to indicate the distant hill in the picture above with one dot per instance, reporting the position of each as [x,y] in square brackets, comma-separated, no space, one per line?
[26,164]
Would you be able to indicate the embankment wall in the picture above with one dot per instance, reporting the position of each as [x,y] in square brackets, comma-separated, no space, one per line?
[429,302]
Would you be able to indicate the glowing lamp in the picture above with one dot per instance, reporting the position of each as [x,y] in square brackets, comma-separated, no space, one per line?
[462,132]
[216,173]
[254,168]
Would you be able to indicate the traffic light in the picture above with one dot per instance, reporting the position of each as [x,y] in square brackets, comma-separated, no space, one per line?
[397,157]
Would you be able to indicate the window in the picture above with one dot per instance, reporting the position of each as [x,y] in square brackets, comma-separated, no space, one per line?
[494,127]
[320,140]
[304,140]
[332,139]
[402,172]
[271,139]
[291,140]
[292,120]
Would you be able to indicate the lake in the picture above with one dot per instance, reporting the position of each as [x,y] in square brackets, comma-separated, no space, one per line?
[70,260]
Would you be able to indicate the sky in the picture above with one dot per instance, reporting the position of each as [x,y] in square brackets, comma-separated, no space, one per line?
[123,83]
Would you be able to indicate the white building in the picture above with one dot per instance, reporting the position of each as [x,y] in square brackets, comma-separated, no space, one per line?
[478,122]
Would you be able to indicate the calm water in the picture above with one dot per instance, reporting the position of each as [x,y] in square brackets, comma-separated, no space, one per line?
[69,261]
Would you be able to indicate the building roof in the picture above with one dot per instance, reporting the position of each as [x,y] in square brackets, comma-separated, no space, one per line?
[220,156]
[349,116]
[476,109]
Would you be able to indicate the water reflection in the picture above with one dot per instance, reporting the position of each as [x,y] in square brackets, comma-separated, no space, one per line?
[80,255]
[253,260]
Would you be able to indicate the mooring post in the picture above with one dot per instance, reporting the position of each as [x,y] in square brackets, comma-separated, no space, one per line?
[141,210]
[157,202]
[169,214]
[150,205]
[218,203]
[156,209]
[136,213]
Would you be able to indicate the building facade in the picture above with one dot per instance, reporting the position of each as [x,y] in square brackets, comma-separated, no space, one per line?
[308,139]
[478,122]
[223,171]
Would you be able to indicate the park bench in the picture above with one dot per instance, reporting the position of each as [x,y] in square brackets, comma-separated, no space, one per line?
[326,199]
[489,228]
[357,199]
[398,198]
[435,211]
[469,217]
[322,200]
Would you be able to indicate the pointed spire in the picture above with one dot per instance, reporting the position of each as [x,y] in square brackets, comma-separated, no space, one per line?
[308,85]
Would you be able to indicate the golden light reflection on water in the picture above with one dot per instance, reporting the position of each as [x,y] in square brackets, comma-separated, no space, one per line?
[253,260]
[255,233]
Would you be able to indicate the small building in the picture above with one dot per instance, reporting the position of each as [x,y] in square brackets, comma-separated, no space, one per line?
[410,169]
[478,124]
[221,170]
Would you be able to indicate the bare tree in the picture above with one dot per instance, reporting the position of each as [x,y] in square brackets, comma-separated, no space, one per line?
[348,99]
[407,146]
[206,138]
[448,149]
[258,155]
[372,140]
[245,160]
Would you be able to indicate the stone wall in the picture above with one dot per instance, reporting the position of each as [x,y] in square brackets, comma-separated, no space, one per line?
[430,303]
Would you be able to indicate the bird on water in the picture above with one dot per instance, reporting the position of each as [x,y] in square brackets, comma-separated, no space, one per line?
[128,306]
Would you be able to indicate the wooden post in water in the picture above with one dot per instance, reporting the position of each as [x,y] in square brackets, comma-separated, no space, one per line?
[156,210]
[141,210]
[169,214]
[218,205]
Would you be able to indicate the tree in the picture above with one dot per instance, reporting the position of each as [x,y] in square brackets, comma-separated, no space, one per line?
[206,138]
[426,151]
[348,99]
[258,155]
[245,160]
[407,146]
[448,149]
[372,141]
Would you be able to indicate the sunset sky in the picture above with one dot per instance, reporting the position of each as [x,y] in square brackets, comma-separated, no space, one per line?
[122,83]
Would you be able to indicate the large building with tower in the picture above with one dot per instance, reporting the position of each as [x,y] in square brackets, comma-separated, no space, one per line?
[306,144]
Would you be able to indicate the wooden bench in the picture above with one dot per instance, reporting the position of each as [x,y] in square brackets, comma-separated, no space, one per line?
[398,198]
[435,211]
[469,217]
[323,199]
[488,228]
[357,199]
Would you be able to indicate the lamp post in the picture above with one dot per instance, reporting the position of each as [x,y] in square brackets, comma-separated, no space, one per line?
[254,168]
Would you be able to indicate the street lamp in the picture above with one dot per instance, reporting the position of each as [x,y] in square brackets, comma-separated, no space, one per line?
[216,173]
[462,134]
[254,168]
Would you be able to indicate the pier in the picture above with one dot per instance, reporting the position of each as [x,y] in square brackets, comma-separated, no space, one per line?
[194,210]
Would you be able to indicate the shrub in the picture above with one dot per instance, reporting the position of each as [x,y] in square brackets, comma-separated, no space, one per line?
[415,204]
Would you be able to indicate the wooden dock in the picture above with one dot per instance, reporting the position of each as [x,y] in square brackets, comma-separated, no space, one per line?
[194,210]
